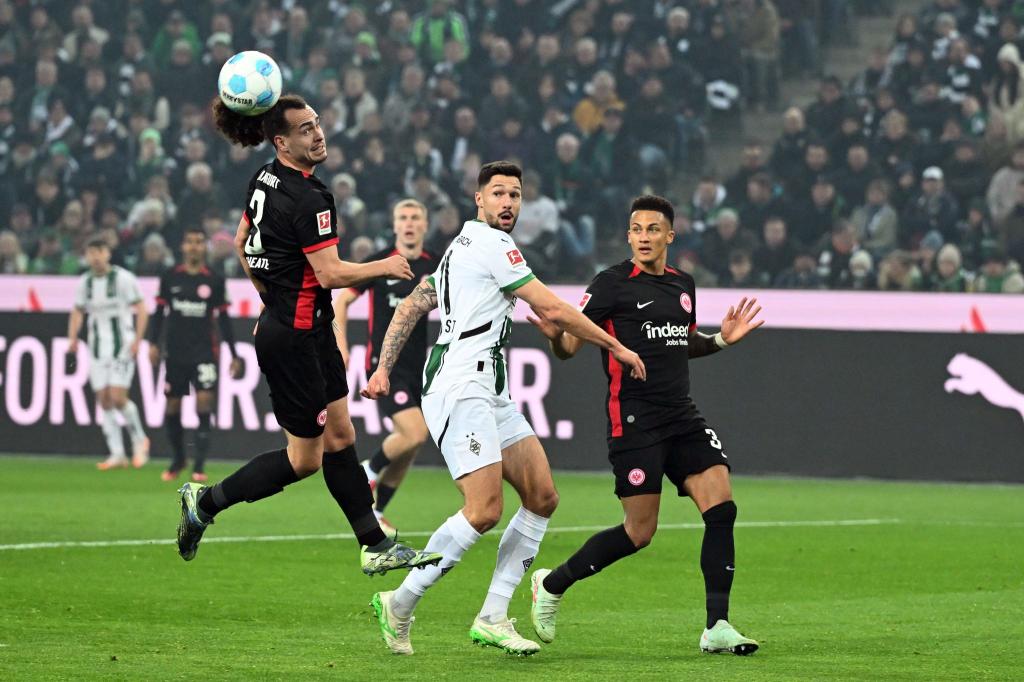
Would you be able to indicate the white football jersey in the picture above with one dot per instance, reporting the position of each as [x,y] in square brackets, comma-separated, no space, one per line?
[474,283]
[107,301]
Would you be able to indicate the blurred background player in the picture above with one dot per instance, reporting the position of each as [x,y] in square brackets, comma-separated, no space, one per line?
[402,405]
[109,295]
[287,244]
[654,428]
[190,297]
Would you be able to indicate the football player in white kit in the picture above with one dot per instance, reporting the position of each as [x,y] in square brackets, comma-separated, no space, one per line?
[109,295]
[469,412]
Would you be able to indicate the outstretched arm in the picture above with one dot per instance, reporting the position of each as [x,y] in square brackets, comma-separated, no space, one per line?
[736,324]
[421,301]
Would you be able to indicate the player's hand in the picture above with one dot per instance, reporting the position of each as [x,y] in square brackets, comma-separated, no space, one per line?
[71,357]
[378,385]
[135,348]
[237,367]
[631,360]
[397,267]
[154,354]
[739,321]
[72,347]
[546,326]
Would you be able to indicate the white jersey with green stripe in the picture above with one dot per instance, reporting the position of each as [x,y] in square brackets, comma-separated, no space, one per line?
[107,300]
[475,281]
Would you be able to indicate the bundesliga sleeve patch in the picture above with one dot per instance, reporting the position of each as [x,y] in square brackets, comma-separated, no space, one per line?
[323,222]
[584,301]
[514,257]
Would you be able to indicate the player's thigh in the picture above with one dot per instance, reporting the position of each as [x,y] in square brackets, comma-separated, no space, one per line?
[173,406]
[204,379]
[641,517]
[710,487]
[698,466]
[339,433]
[525,466]
[205,400]
[482,495]
[118,395]
[465,431]
[177,377]
[410,425]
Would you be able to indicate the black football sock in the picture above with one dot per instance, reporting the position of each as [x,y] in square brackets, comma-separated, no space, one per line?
[202,443]
[350,488]
[176,437]
[601,550]
[379,461]
[262,476]
[717,559]
[384,495]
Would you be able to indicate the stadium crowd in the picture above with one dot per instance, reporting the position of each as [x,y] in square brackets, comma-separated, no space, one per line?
[906,178]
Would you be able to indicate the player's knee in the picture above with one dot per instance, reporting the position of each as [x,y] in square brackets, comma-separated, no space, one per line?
[484,517]
[306,464]
[641,534]
[339,437]
[544,502]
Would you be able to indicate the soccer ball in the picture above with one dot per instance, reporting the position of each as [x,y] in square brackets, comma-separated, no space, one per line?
[249,83]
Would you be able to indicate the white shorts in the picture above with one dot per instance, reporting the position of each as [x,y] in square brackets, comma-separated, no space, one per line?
[111,372]
[471,428]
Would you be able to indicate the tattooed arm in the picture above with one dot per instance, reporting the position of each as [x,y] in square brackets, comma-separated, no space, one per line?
[421,301]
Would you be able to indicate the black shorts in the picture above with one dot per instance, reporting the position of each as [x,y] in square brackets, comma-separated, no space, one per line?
[305,373]
[180,375]
[690,451]
[406,388]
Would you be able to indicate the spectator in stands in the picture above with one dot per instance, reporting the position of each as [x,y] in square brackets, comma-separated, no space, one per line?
[183,76]
[950,275]
[352,213]
[1002,189]
[817,212]
[816,163]
[572,188]
[432,28]
[223,258]
[760,203]
[648,119]
[825,115]
[803,274]
[877,222]
[601,96]
[537,227]
[727,236]
[176,28]
[377,177]
[681,38]
[448,225]
[965,173]
[752,161]
[199,195]
[465,139]
[708,199]
[777,252]
[850,132]
[897,272]
[502,102]
[998,275]
[865,85]
[896,146]
[789,150]
[741,273]
[1011,229]
[834,259]
[356,103]
[13,260]
[758,28]
[581,68]
[48,200]
[611,155]
[400,101]
[52,258]
[154,256]
[1007,87]
[931,209]
[853,179]
[860,275]
[720,62]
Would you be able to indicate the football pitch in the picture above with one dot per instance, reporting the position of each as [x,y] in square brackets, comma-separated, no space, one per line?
[838,580]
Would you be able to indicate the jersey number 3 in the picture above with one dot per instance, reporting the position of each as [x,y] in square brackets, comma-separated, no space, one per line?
[254,244]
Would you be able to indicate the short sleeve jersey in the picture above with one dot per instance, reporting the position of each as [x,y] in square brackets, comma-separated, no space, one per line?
[290,213]
[385,295]
[107,300]
[653,316]
[192,300]
[475,283]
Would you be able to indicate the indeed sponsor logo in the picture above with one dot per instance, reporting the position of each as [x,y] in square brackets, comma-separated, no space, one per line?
[674,334]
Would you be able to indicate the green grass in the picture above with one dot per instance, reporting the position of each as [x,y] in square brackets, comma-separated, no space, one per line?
[937,594]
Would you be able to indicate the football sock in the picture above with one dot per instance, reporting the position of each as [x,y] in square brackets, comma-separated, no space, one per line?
[601,550]
[384,495]
[347,482]
[176,437]
[262,476]
[112,432]
[516,551]
[131,417]
[717,559]
[379,461]
[452,539]
[202,442]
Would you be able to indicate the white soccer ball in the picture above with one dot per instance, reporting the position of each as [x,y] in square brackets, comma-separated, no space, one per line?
[249,83]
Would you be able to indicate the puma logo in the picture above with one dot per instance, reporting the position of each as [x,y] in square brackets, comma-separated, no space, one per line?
[969,376]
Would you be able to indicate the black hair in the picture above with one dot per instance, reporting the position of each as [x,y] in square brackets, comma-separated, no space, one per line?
[250,131]
[652,202]
[192,229]
[489,170]
[97,243]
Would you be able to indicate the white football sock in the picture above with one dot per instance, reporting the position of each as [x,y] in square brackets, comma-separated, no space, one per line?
[516,552]
[370,476]
[134,422]
[452,539]
[112,432]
